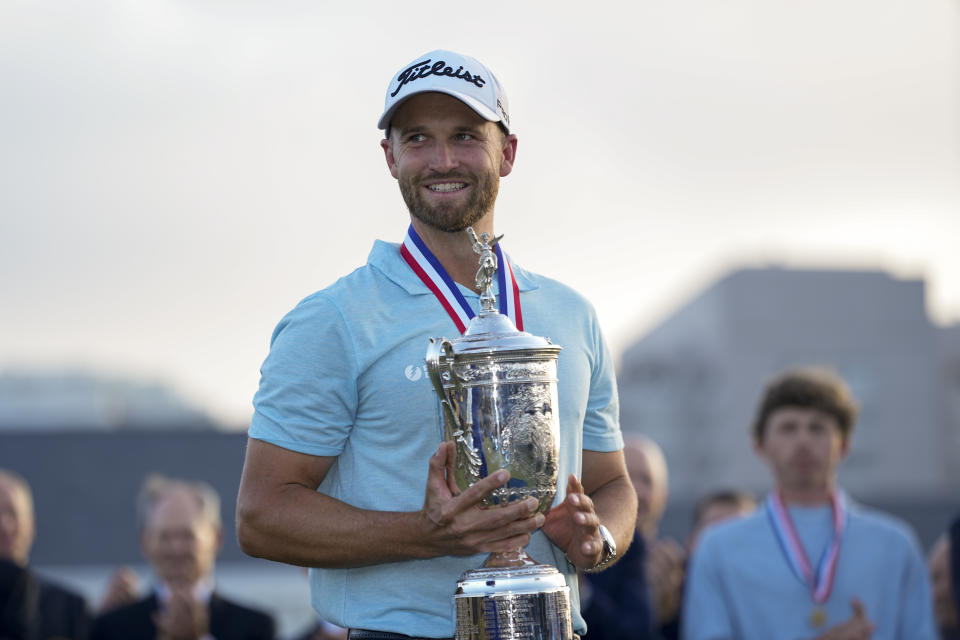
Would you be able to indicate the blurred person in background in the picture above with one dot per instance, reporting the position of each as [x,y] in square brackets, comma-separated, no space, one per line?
[944,561]
[711,509]
[180,535]
[718,507]
[810,563]
[637,595]
[31,608]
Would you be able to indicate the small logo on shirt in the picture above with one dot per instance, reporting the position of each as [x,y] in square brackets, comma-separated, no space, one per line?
[414,372]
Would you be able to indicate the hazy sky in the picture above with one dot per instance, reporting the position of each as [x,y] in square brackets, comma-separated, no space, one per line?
[174,176]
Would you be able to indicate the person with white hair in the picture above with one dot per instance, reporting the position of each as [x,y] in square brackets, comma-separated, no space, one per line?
[180,535]
[30,606]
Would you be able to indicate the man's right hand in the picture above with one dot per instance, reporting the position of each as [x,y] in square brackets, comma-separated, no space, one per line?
[457,523]
[856,627]
[182,618]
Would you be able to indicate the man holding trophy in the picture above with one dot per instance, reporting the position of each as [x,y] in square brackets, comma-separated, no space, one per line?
[395,478]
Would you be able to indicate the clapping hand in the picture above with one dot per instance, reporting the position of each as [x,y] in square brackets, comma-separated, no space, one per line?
[182,618]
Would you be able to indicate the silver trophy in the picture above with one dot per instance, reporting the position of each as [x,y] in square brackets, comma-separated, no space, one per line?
[498,389]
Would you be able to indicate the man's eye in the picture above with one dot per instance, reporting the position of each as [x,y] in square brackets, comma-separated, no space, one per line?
[416,137]
[464,136]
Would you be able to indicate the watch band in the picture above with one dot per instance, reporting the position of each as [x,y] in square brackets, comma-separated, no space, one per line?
[609,551]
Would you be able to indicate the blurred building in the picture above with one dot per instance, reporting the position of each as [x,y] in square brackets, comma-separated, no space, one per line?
[693,382]
[78,400]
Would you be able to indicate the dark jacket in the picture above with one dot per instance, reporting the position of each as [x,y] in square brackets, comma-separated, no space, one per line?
[619,607]
[228,621]
[32,608]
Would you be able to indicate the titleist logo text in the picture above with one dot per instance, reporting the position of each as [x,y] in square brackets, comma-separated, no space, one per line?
[439,68]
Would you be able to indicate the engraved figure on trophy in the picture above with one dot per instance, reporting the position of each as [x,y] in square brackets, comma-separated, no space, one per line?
[488,267]
[498,389]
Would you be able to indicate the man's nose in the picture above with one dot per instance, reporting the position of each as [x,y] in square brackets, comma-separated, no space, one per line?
[181,545]
[444,157]
[805,436]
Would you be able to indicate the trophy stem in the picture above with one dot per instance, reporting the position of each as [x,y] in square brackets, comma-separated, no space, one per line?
[509,559]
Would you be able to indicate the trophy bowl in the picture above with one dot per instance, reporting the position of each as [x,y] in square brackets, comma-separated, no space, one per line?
[500,407]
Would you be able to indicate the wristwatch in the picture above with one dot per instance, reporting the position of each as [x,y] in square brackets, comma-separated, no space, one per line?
[609,551]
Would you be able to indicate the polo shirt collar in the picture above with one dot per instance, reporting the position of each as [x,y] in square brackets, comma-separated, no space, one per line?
[386,258]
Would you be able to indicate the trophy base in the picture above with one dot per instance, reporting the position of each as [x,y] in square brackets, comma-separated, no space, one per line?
[518,603]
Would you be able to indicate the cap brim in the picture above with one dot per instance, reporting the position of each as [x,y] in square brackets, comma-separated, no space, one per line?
[481,109]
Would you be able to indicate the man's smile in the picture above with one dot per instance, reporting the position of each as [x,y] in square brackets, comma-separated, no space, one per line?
[447,187]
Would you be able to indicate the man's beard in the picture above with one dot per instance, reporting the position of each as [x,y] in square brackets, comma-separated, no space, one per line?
[451,217]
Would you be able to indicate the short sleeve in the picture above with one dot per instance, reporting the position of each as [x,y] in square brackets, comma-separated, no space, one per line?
[601,423]
[307,399]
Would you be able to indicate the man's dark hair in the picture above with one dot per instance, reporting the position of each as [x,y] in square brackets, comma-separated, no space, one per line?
[808,388]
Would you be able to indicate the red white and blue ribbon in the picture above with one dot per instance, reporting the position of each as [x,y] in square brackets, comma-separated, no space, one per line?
[431,272]
[821,582]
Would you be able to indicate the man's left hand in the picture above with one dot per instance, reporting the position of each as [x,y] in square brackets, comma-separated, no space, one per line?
[572,526]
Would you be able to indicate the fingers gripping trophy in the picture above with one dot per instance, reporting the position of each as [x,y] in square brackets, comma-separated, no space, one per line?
[498,389]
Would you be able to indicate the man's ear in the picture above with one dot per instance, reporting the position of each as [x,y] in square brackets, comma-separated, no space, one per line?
[509,155]
[845,444]
[388,155]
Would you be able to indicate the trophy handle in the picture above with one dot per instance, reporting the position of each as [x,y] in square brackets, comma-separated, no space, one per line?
[439,360]
[442,347]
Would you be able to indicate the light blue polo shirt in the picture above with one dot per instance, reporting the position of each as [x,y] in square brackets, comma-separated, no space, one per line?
[346,377]
[739,584]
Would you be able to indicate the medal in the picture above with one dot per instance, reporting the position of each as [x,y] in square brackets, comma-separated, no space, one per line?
[416,254]
[820,582]
[818,617]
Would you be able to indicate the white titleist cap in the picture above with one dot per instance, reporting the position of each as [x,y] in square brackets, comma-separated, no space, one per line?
[460,76]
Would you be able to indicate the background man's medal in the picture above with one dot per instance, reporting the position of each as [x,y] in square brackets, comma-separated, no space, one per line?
[820,581]
[818,617]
